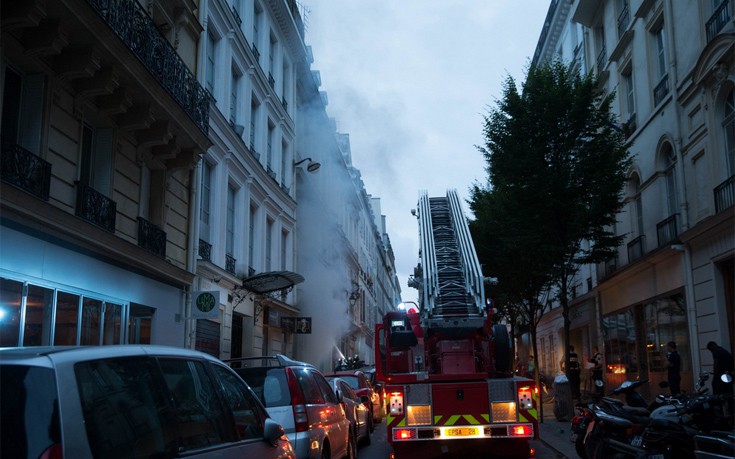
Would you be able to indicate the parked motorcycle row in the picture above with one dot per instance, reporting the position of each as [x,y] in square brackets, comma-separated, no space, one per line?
[685,426]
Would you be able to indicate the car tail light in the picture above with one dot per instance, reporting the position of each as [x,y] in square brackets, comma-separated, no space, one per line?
[52,452]
[300,417]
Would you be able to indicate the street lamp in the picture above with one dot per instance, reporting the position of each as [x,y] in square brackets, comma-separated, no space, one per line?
[311,167]
[353,298]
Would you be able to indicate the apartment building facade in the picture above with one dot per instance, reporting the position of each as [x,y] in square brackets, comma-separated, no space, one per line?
[670,65]
[103,122]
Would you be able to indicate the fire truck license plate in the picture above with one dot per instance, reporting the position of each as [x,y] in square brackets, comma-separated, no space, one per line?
[461,432]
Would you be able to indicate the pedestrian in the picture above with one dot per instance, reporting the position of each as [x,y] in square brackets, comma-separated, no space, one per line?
[673,366]
[722,362]
[596,361]
[531,367]
[573,373]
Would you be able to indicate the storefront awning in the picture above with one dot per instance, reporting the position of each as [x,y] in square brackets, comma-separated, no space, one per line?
[272,281]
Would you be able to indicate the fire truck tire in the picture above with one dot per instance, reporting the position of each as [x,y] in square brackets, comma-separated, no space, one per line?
[502,348]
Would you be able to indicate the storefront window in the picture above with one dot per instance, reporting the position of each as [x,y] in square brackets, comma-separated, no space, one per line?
[91,312]
[113,322]
[39,306]
[665,320]
[67,313]
[10,299]
[620,355]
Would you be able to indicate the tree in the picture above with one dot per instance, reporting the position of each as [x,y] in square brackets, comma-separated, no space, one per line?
[557,165]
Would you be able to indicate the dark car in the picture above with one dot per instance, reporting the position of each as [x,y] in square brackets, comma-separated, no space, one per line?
[357,412]
[359,382]
[129,402]
[298,397]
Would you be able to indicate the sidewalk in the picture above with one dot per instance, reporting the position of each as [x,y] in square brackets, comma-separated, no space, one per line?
[555,434]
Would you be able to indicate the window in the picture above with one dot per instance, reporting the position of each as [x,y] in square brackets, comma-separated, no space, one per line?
[669,160]
[628,92]
[139,326]
[204,211]
[11,297]
[728,126]
[272,55]
[233,96]
[660,59]
[22,109]
[269,146]
[249,417]
[254,105]
[284,162]
[96,158]
[211,61]
[67,312]
[268,244]
[620,344]
[309,386]
[230,220]
[251,239]
[91,319]
[665,320]
[284,245]
[638,207]
[257,16]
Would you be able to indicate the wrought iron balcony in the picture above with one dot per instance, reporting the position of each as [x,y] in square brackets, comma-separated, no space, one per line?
[271,172]
[601,60]
[132,24]
[661,90]
[151,237]
[271,80]
[717,21]
[256,52]
[230,262]
[205,250]
[238,19]
[95,207]
[667,230]
[725,194]
[284,103]
[636,248]
[21,168]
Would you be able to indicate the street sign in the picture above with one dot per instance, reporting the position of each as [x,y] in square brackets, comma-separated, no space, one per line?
[303,325]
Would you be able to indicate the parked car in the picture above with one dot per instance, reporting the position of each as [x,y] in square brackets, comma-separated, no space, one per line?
[298,397]
[129,402]
[378,386]
[359,382]
[355,409]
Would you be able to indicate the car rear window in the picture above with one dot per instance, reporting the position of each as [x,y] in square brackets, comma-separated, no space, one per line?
[269,385]
[353,381]
[309,386]
[29,411]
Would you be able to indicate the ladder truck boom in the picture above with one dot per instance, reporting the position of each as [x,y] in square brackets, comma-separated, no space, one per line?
[446,365]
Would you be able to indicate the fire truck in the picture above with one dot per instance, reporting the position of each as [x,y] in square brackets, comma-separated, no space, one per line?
[446,366]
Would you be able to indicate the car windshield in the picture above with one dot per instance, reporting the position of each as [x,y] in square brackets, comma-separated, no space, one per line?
[30,412]
[353,381]
[269,385]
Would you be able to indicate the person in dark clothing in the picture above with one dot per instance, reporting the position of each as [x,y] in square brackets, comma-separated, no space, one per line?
[722,362]
[573,373]
[596,360]
[673,365]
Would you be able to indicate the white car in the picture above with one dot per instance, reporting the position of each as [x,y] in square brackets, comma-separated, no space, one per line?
[129,402]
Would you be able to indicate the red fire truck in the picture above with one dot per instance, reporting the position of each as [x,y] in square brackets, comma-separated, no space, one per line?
[447,368]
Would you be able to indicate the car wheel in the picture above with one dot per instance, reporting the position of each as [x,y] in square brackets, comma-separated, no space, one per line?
[325,452]
[352,446]
[367,440]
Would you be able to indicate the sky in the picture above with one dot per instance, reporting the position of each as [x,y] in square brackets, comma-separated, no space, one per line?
[410,81]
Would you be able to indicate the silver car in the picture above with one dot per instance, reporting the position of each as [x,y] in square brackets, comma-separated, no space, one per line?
[298,397]
[129,402]
[357,412]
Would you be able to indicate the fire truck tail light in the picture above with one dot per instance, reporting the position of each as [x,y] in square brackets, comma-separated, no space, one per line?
[504,412]
[396,403]
[525,399]
[418,415]
[520,431]
[404,434]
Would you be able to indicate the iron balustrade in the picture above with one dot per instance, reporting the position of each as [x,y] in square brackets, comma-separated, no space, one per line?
[284,103]
[661,90]
[636,248]
[205,250]
[230,262]
[256,53]
[271,80]
[151,237]
[725,194]
[137,30]
[238,19]
[21,168]
[601,60]
[667,230]
[95,207]
[717,21]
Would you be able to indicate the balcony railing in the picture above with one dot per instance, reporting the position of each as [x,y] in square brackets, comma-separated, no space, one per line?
[609,266]
[132,24]
[667,230]
[284,103]
[636,248]
[623,20]
[151,237]
[256,52]
[271,80]
[661,90]
[630,126]
[95,207]
[238,19]
[21,168]
[205,250]
[725,194]
[230,263]
[717,21]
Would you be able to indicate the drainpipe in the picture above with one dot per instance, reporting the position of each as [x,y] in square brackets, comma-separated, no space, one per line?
[684,210]
[191,262]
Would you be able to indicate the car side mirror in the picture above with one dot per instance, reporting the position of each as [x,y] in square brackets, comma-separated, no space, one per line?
[272,432]
[365,399]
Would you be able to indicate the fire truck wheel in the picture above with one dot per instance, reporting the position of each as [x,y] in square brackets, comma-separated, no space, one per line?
[502,348]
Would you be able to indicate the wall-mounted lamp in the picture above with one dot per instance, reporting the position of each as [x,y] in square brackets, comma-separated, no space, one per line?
[354,296]
[311,167]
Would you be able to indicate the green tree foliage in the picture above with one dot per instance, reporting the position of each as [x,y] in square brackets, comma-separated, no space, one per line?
[556,164]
